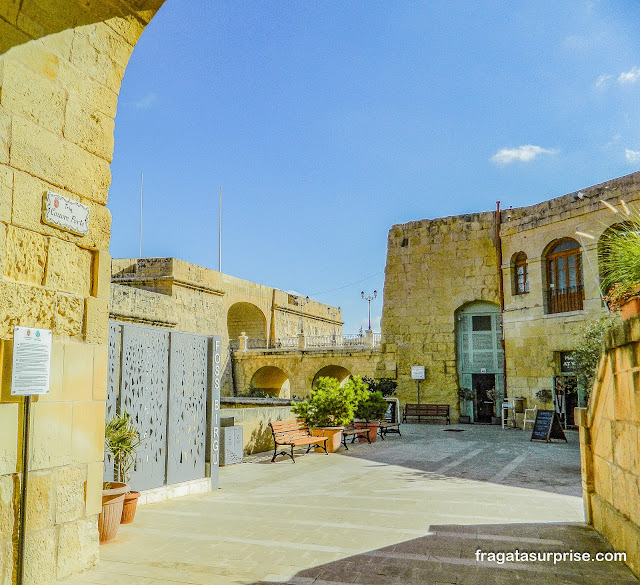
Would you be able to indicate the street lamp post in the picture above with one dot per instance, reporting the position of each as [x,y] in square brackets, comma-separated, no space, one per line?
[301,304]
[369,299]
[333,315]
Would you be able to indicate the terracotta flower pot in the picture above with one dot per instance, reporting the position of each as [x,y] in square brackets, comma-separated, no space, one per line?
[112,503]
[334,440]
[630,308]
[373,430]
[129,507]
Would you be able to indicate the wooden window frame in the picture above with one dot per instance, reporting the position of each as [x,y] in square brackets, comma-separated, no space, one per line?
[564,297]
[520,262]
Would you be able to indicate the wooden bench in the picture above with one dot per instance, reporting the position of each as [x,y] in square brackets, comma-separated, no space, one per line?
[426,411]
[386,426]
[294,433]
[351,431]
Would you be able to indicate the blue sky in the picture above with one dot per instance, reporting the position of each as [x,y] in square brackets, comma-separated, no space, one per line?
[326,122]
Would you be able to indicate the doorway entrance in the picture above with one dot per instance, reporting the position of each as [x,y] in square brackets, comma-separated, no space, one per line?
[483,386]
[565,397]
[480,360]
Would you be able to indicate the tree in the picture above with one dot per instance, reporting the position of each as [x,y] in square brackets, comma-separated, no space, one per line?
[587,352]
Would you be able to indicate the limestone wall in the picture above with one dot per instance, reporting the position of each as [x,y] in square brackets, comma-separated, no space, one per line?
[200,300]
[433,268]
[256,433]
[610,443]
[301,367]
[61,64]
[533,338]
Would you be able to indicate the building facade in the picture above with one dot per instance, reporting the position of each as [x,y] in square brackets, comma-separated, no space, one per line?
[494,302]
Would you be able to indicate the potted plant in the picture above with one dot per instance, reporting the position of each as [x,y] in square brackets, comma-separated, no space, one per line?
[620,265]
[371,409]
[113,493]
[122,440]
[466,396]
[371,406]
[494,396]
[329,408]
[623,299]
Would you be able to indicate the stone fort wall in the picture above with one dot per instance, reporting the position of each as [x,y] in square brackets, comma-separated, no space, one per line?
[433,268]
[168,292]
[609,438]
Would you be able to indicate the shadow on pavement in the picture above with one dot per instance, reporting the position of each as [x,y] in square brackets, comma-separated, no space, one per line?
[449,556]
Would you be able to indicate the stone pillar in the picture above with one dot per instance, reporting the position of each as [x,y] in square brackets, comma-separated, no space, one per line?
[370,339]
[302,341]
[586,460]
[58,95]
[243,342]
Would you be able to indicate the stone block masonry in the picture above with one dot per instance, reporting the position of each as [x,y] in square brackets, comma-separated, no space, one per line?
[435,267]
[609,440]
[61,64]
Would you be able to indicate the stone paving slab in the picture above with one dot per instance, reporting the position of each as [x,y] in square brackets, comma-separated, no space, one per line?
[409,510]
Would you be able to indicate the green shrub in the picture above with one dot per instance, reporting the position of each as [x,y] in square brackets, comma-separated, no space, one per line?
[386,386]
[587,352]
[330,405]
[121,439]
[620,261]
[372,407]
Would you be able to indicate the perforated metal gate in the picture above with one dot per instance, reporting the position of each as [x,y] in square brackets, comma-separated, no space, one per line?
[166,381]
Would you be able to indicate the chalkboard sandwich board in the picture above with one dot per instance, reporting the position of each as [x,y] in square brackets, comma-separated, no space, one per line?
[547,427]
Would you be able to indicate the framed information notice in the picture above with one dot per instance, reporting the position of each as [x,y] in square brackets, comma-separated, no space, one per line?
[31,365]
[417,372]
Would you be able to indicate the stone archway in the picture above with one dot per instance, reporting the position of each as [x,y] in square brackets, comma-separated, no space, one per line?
[272,381]
[340,373]
[61,65]
[247,318]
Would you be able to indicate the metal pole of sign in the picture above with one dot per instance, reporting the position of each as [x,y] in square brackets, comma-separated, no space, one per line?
[418,391]
[23,494]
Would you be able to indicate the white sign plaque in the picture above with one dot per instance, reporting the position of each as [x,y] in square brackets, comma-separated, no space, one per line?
[31,366]
[65,213]
[417,372]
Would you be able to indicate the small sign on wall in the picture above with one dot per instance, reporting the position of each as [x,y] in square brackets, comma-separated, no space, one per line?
[31,365]
[417,372]
[65,213]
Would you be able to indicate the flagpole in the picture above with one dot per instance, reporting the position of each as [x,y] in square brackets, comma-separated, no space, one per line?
[141,197]
[220,233]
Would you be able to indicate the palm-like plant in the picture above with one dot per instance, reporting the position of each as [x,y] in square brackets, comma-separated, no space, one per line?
[122,440]
[620,261]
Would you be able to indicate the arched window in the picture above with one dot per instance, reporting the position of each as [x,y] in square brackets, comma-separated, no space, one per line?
[520,274]
[564,277]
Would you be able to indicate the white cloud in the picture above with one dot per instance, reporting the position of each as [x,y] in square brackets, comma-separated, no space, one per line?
[146,102]
[525,153]
[603,80]
[631,76]
[632,156]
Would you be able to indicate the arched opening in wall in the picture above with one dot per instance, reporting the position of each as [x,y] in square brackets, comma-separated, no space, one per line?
[247,318]
[272,381]
[520,274]
[562,276]
[480,358]
[338,372]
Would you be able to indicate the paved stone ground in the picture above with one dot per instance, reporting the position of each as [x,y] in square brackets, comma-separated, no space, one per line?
[410,510]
